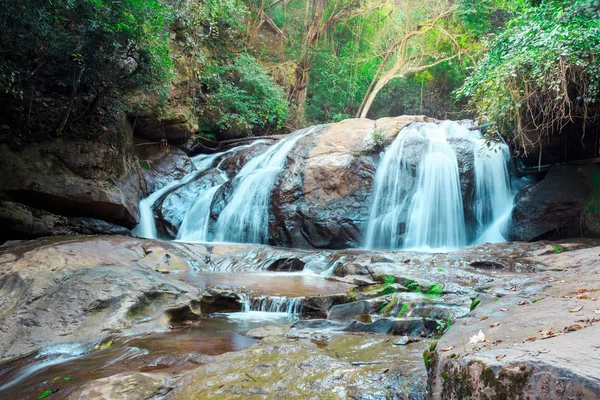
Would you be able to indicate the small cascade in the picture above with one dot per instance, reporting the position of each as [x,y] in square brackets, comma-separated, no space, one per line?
[246,216]
[147,226]
[274,304]
[419,197]
[195,224]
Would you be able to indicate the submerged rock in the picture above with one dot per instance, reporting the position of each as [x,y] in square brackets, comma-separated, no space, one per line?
[348,367]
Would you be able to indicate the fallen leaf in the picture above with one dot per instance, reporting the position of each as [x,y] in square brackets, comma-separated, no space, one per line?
[103,346]
[576,309]
[531,339]
[447,349]
[494,324]
[582,297]
[484,318]
[572,328]
[500,357]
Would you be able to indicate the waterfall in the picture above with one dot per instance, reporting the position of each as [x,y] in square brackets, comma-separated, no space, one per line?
[195,223]
[493,198]
[147,225]
[436,215]
[245,219]
[391,190]
[417,195]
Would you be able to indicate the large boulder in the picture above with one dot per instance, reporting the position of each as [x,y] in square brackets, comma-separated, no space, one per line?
[21,222]
[551,207]
[321,198]
[79,290]
[96,178]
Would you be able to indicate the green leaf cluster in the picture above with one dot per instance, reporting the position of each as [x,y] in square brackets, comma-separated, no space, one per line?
[244,99]
[542,71]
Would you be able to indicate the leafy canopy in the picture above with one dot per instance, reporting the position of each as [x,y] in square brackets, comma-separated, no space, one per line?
[542,71]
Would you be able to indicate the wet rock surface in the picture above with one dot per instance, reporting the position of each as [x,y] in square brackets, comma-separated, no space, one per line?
[164,167]
[553,207]
[320,201]
[536,306]
[348,367]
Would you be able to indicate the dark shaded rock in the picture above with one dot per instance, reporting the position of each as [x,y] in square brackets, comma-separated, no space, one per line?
[552,207]
[405,326]
[287,265]
[346,312]
[97,178]
[319,305]
[21,222]
[166,167]
[220,300]
[176,129]
[171,208]
[233,161]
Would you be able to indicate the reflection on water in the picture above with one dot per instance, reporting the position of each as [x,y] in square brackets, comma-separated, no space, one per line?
[172,351]
[265,283]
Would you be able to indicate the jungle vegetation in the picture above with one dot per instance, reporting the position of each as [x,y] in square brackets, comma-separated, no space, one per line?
[269,66]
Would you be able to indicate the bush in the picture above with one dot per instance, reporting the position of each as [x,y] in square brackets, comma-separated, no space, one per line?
[542,71]
[243,100]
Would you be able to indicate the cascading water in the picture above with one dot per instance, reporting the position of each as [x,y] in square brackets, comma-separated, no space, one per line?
[195,223]
[147,226]
[417,197]
[436,215]
[493,199]
[245,218]
[272,304]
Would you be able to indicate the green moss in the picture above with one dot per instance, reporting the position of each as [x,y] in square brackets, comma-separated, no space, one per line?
[402,310]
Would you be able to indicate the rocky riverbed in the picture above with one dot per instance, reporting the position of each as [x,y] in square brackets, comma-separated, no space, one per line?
[127,318]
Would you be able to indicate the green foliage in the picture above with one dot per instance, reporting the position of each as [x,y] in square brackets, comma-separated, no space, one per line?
[558,249]
[243,99]
[435,290]
[544,69]
[474,304]
[223,20]
[112,44]
[46,394]
[444,325]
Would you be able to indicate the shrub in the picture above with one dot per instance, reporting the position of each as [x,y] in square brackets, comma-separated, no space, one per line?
[243,100]
[544,69]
